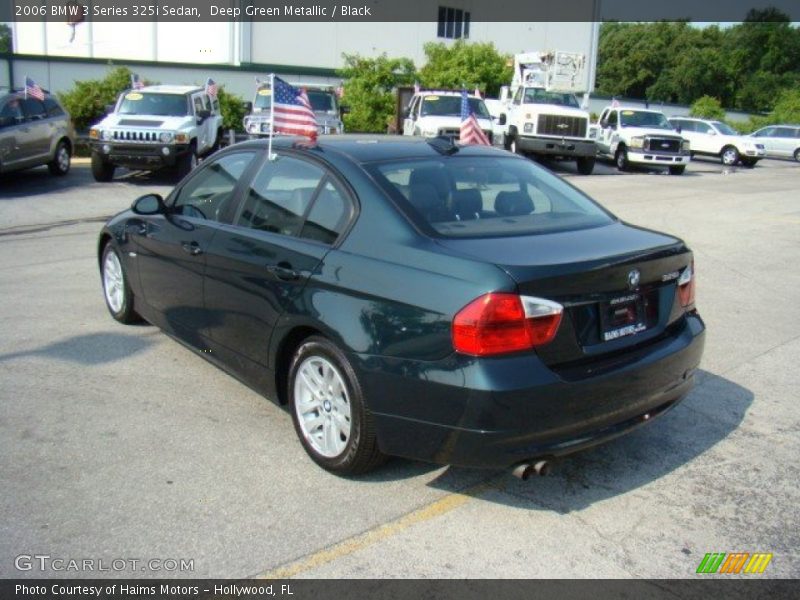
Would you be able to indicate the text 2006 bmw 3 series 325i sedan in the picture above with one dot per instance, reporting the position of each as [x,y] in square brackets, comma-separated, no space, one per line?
[414,298]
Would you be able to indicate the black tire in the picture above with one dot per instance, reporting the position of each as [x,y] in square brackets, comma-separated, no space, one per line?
[729,156]
[102,170]
[217,143]
[186,162]
[125,312]
[360,453]
[797,155]
[62,159]
[621,158]
[586,164]
[678,170]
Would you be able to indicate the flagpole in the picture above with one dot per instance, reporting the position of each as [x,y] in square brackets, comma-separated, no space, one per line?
[26,87]
[271,115]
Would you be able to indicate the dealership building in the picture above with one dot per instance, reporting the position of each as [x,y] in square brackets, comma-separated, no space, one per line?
[55,54]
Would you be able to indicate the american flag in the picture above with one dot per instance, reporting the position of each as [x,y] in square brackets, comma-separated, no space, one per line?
[292,112]
[136,83]
[471,132]
[416,87]
[614,103]
[33,90]
[478,92]
[211,87]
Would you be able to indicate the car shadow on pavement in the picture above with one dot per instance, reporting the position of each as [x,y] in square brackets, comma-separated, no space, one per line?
[89,349]
[711,412]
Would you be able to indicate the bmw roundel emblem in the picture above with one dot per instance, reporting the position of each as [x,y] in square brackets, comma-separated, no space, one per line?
[633,279]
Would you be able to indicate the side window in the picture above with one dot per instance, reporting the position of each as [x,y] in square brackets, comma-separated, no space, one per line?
[207,194]
[702,127]
[33,109]
[279,196]
[199,105]
[518,96]
[52,108]
[10,112]
[215,105]
[785,132]
[766,132]
[328,215]
[612,119]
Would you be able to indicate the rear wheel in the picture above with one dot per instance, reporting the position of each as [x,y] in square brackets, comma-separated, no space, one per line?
[61,159]
[677,170]
[117,292]
[729,156]
[797,155]
[621,158]
[586,165]
[329,411]
[102,170]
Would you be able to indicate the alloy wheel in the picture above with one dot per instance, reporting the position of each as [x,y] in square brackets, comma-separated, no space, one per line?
[113,282]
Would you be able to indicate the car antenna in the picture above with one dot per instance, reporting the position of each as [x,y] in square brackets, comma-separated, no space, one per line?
[444,144]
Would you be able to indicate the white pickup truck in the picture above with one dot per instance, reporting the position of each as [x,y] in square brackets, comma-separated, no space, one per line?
[156,126]
[642,137]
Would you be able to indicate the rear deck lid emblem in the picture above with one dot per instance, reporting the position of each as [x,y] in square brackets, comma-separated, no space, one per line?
[633,279]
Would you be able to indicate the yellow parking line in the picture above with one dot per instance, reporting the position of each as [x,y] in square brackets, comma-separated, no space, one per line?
[382,532]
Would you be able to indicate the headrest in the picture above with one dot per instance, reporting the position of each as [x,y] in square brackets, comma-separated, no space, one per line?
[467,204]
[432,176]
[513,204]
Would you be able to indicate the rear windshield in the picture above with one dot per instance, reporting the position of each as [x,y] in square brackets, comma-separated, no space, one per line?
[462,196]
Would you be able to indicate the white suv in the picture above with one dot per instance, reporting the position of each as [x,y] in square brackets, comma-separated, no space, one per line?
[715,138]
[431,114]
[154,127]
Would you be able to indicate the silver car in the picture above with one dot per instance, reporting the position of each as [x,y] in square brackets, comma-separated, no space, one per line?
[780,141]
[34,132]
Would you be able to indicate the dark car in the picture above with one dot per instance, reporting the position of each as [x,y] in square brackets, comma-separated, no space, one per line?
[414,298]
[34,132]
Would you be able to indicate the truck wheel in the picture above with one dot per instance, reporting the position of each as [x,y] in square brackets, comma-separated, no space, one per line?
[102,170]
[729,156]
[797,155]
[217,143]
[621,158]
[187,162]
[678,170]
[61,159]
[585,165]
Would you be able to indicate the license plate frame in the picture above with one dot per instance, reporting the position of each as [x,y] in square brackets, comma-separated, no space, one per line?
[621,317]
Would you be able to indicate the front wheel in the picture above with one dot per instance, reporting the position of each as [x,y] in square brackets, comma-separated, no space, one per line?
[677,170]
[586,165]
[729,156]
[187,162]
[117,292]
[61,160]
[621,158]
[102,170]
[329,411]
[797,155]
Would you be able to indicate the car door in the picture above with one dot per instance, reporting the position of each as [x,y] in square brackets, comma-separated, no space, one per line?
[608,134]
[767,137]
[704,139]
[257,267]
[785,141]
[201,105]
[171,248]
[37,136]
[409,121]
[13,130]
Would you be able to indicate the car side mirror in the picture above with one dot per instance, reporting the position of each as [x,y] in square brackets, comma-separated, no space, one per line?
[501,120]
[110,109]
[149,204]
[603,123]
[202,115]
[248,107]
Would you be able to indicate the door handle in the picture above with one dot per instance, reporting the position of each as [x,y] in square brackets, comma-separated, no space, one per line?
[283,271]
[192,248]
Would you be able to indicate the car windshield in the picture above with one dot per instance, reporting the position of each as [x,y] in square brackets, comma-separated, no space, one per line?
[263,99]
[450,106]
[322,101]
[462,196]
[641,118]
[542,96]
[163,105]
[724,128]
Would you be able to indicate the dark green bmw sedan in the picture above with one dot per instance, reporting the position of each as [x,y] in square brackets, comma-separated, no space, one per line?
[413,298]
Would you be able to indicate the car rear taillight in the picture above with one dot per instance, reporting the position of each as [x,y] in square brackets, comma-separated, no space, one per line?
[502,323]
[686,286]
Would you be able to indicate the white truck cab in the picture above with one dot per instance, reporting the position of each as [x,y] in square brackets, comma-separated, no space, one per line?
[156,126]
[642,137]
[544,115]
[324,102]
[434,113]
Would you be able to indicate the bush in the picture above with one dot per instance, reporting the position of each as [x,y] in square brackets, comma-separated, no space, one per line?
[87,101]
[232,108]
[707,107]
[464,64]
[369,90]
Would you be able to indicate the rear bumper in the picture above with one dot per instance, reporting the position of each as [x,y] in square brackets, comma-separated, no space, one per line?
[495,413]
[140,156]
[556,146]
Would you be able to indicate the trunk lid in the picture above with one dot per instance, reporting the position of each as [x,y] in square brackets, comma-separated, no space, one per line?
[617,284]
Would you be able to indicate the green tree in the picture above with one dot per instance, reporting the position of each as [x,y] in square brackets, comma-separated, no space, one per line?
[5,38]
[86,102]
[232,108]
[369,89]
[465,64]
[707,107]
[787,108]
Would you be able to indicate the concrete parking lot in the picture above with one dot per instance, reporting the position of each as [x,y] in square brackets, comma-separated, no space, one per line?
[119,443]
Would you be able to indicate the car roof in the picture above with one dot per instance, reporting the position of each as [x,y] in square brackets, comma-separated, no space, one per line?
[171,89]
[364,148]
